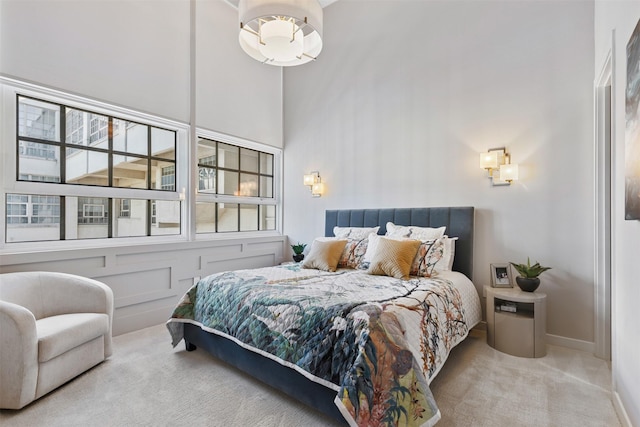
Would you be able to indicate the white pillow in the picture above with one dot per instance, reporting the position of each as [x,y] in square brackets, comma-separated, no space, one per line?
[354,232]
[372,245]
[446,263]
[413,232]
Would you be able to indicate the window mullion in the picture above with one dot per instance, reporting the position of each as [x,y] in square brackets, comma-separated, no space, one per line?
[110,155]
[149,160]
[149,215]
[63,145]
[63,171]
[62,219]
[215,215]
[110,215]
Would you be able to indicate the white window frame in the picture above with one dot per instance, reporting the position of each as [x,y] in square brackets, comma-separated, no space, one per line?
[185,180]
[222,198]
[9,90]
[125,208]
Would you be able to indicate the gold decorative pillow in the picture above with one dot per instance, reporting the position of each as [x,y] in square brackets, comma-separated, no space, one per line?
[394,258]
[324,254]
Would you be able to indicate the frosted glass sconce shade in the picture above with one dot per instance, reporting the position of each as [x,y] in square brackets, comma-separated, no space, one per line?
[314,182]
[489,160]
[509,172]
[311,178]
[498,165]
[317,189]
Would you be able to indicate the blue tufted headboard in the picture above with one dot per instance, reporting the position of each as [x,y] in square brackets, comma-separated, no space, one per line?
[458,220]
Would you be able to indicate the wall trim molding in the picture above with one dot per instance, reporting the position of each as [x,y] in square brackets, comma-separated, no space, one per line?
[558,340]
[148,280]
[572,343]
[623,417]
[604,135]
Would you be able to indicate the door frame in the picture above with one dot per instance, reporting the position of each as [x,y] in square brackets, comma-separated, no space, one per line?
[604,130]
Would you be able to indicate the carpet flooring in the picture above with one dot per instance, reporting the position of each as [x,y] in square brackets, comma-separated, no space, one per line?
[148,383]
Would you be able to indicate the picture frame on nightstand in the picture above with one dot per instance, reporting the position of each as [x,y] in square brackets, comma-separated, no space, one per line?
[501,276]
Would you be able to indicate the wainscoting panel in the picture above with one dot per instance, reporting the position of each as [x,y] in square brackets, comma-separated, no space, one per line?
[217,266]
[57,264]
[148,280]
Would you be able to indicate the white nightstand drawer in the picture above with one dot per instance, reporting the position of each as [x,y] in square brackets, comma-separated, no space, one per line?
[514,334]
[516,321]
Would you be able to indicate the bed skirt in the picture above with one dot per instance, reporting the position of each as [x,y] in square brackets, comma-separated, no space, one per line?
[266,370]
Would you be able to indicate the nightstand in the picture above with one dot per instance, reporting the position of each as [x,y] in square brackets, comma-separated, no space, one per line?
[516,321]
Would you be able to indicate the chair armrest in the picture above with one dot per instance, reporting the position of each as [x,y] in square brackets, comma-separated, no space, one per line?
[18,356]
[48,294]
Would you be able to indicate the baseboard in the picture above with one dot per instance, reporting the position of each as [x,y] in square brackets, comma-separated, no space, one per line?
[620,411]
[123,324]
[481,326]
[572,343]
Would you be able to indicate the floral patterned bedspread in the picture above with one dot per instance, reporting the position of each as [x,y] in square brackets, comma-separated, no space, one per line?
[376,340]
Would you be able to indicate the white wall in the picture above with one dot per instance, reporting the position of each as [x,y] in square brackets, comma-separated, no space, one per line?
[132,53]
[621,17]
[136,54]
[395,112]
[235,93]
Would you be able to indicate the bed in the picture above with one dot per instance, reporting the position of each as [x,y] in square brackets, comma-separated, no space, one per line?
[366,361]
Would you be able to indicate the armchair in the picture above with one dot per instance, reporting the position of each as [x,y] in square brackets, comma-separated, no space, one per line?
[53,327]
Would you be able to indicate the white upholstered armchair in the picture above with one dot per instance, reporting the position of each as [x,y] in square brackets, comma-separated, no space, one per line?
[53,327]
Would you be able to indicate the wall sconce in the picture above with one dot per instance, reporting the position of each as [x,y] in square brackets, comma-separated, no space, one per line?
[314,182]
[499,167]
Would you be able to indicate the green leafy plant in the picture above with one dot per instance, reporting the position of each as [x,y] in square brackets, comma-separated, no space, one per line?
[299,248]
[529,271]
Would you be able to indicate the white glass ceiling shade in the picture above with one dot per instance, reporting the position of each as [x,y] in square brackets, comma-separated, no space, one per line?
[281,32]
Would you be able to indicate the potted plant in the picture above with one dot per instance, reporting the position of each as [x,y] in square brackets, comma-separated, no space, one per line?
[297,251]
[528,280]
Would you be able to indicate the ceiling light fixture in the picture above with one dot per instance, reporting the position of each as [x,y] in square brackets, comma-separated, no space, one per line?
[281,32]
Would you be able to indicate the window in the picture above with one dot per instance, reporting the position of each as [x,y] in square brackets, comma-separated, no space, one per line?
[32,217]
[93,210]
[17,205]
[238,171]
[125,208]
[45,209]
[60,147]
[83,170]
[242,180]
[132,155]
[168,179]
[38,119]
[98,128]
